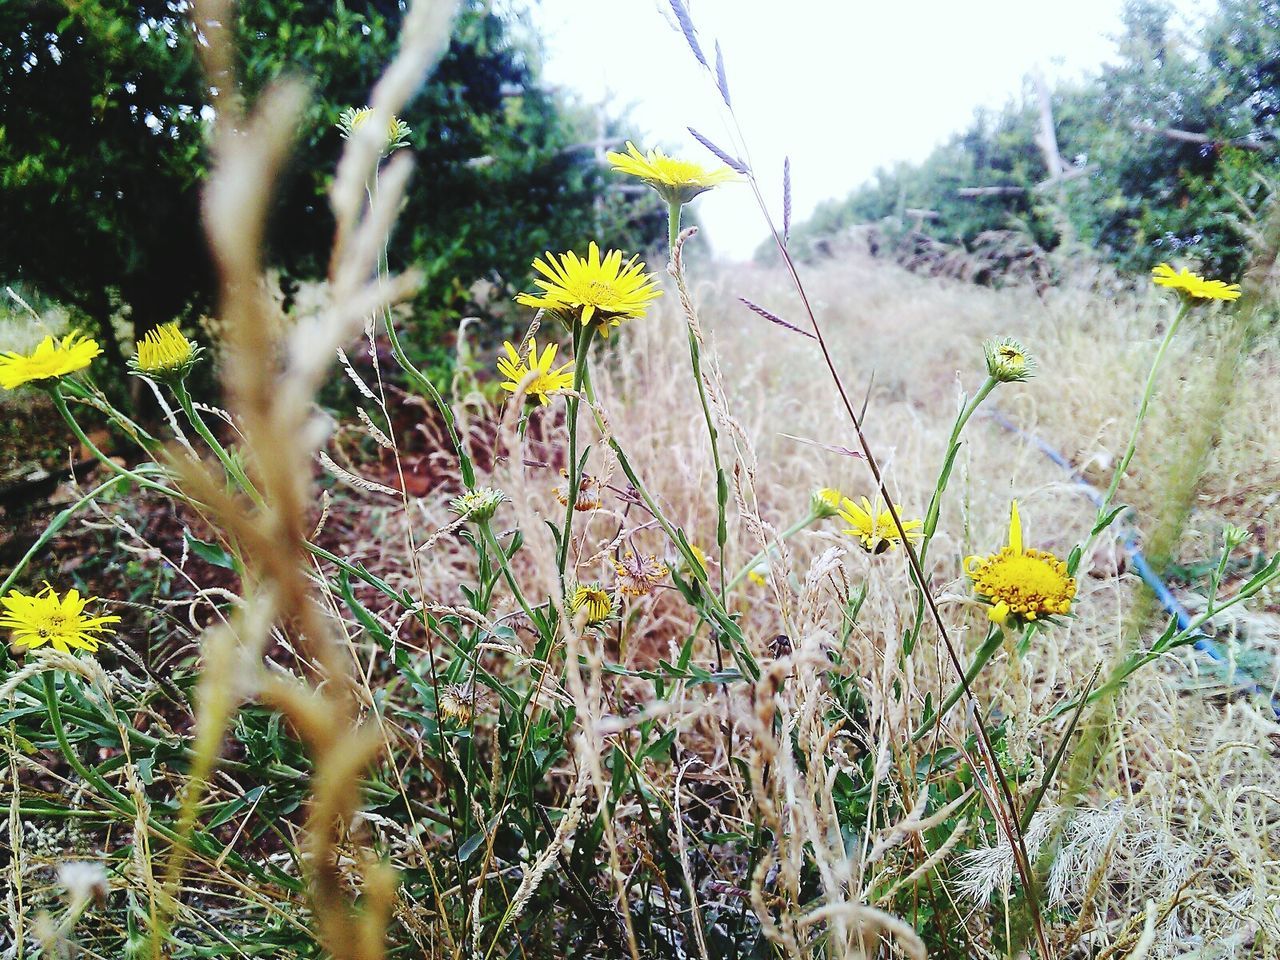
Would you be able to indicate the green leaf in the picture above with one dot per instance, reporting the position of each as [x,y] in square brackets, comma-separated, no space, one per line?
[209,552]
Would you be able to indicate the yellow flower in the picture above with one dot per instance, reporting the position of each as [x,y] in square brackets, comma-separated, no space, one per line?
[700,556]
[46,618]
[1193,285]
[594,599]
[1020,583]
[640,576]
[605,290]
[165,351]
[875,528]
[826,502]
[52,358]
[352,119]
[546,381]
[677,181]
[589,495]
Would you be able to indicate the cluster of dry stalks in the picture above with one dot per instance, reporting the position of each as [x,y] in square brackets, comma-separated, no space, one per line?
[628,791]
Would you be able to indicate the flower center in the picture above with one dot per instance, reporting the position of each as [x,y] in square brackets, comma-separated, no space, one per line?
[1032,583]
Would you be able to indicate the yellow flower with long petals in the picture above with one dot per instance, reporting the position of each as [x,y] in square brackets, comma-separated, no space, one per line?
[545,381]
[51,358]
[164,351]
[1021,584]
[1193,285]
[875,527]
[47,618]
[605,289]
[677,181]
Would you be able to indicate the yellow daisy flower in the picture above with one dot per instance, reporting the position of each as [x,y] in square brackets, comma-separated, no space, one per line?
[1192,285]
[46,618]
[594,599]
[1019,583]
[603,289]
[640,576]
[52,358]
[677,181]
[547,380]
[875,528]
[164,351]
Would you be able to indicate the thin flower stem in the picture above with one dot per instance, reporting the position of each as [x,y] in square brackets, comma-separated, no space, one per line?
[786,534]
[695,360]
[1148,391]
[224,457]
[573,475]
[981,657]
[487,531]
[746,662]
[55,525]
[60,403]
[953,445]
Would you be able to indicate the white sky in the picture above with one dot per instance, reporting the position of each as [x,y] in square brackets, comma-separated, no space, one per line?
[843,86]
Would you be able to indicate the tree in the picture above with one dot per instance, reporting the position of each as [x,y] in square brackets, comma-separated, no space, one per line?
[102,149]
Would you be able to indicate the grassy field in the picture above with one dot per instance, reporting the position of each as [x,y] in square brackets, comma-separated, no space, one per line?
[376,690]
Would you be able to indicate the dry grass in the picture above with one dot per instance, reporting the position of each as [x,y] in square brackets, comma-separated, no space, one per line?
[474,771]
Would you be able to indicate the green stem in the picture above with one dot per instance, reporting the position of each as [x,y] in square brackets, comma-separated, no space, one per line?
[722,620]
[984,653]
[55,392]
[52,529]
[1148,391]
[224,457]
[504,562]
[953,447]
[713,435]
[786,534]
[573,475]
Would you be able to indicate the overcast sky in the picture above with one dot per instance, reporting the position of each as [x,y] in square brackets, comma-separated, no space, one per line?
[842,86]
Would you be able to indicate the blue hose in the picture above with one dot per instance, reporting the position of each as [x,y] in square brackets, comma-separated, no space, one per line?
[1129,540]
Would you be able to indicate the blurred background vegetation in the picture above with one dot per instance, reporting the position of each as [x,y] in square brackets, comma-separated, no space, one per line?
[103,152]
[1165,153]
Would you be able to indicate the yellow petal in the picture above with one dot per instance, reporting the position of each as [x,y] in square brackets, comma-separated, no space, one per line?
[1015,528]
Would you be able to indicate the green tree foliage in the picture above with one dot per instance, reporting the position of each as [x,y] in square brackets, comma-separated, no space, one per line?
[1166,149]
[102,151]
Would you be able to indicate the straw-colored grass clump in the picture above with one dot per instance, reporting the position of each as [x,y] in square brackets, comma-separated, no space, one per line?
[722,638]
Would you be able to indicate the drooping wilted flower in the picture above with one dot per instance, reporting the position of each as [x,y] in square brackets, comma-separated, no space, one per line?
[460,702]
[48,618]
[478,504]
[604,290]
[1008,360]
[640,576]
[1021,584]
[589,492]
[51,359]
[594,599]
